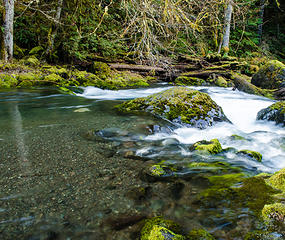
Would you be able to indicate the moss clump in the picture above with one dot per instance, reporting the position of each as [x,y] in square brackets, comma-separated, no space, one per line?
[162,233]
[261,235]
[199,234]
[157,170]
[28,79]
[213,146]
[221,82]
[8,81]
[102,70]
[251,154]
[31,61]
[277,180]
[156,223]
[178,104]
[53,78]
[189,81]
[274,212]
[221,188]
[256,193]
[63,72]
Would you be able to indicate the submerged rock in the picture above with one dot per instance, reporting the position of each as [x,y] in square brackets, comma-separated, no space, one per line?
[200,234]
[274,212]
[251,154]
[162,233]
[275,112]
[270,76]
[157,172]
[159,228]
[180,105]
[213,146]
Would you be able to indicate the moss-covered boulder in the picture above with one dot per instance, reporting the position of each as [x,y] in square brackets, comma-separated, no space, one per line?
[213,146]
[221,82]
[190,81]
[180,105]
[274,212]
[251,154]
[270,76]
[160,229]
[199,234]
[277,180]
[275,112]
[8,81]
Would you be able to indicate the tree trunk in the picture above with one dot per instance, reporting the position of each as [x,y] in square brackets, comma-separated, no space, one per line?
[227,27]
[260,24]
[7,53]
[54,28]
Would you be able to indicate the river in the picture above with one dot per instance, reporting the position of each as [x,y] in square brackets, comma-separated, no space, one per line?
[71,166]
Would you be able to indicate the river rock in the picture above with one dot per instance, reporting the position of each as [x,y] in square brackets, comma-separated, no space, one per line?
[180,105]
[270,76]
[251,154]
[213,146]
[275,112]
[159,228]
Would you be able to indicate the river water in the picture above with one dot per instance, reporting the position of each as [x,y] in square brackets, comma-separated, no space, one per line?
[71,167]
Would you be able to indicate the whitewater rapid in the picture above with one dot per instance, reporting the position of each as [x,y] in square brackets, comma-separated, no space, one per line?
[240,108]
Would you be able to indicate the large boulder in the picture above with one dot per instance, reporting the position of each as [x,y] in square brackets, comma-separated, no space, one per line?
[275,112]
[270,76]
[180,105]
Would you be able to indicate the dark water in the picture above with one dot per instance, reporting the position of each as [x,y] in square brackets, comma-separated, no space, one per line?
[59,180]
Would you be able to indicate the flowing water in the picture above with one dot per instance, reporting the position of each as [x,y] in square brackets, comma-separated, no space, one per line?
[73,168]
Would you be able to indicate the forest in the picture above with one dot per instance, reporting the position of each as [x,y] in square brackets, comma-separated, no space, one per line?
[142,119]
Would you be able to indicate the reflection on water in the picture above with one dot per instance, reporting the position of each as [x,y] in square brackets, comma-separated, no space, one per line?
[72,168]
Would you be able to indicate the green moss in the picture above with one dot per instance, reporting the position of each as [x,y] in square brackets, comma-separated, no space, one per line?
[157,170]
[31,61]
[256,193]
[156,222]
[28,79]
[270,76]
[213,146]
[189,81]
[221,82]
[226,180]
[237,137]
[8,81]
[280,106]
[18,52]
[261,235]
[63,72]
[179,104]
[102,70]
[252,154]
[36,51]
[162,233]
[53,78]
[277,180]
[275,212]
[199,234]
[221,187]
